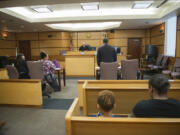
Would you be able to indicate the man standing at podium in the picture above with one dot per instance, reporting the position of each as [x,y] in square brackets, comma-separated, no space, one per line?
[106,53]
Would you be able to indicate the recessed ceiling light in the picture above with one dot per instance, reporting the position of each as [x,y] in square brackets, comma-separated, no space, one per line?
[90,6]
[142,4]
[84,26]
[41,9]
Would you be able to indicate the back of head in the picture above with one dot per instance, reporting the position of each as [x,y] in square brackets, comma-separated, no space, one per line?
[106,100]
[105,41]
[43,55]
[160,83]
[19,56]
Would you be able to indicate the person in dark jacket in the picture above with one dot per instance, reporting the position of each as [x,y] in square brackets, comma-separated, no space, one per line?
[21,67]
[106,53]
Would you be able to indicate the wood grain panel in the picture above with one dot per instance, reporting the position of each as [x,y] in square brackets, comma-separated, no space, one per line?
[129,33]
[27,36]
[89,42]
[53,43]
[160,49]
[21,92]
[65,35]
[3,73]
[7,52]
[34,44]
[53,51]
[50,35]
[10,36]
[118,42]
[157,40]
[79,65]
[7,44]
[35,52]
[74,35]
[155,31]
[89,35]
[178,44]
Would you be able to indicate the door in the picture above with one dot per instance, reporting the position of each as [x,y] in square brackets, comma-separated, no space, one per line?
[25,48]
[134,47]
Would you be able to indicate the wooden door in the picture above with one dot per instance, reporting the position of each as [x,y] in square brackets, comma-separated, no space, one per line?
[134,48]
[25,48]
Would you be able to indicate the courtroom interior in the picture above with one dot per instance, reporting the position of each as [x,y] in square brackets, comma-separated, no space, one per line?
[83,67]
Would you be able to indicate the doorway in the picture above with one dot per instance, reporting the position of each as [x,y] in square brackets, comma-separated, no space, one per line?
[134,48]
[25,48]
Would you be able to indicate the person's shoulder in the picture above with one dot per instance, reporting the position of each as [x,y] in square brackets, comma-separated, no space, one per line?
[172,100]
[143,104]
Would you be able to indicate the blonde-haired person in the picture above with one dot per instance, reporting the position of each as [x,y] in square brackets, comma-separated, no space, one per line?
[105,103]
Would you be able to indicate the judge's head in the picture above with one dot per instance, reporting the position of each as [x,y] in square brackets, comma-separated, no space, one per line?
[43,55]
[105,101]
[158,86]
[105,41]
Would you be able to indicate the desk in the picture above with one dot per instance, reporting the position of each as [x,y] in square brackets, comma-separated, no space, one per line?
[59,76]
[80,63]
[83,63]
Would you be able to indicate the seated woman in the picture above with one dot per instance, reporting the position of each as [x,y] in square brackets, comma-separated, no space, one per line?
[49,68]
[105,103]
[21,67]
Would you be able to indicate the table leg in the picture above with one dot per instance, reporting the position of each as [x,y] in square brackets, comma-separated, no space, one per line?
[59,80]
[64,76]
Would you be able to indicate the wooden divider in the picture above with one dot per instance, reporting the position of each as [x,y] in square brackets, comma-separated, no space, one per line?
[20,92]
[3,73]
[108,84]
[82,125]
[127,93]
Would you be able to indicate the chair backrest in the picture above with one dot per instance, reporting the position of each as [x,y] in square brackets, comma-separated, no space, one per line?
[35,69]
[164,62]
[159,60]
[108,71]
[177,65]
[12,72]
[129,69]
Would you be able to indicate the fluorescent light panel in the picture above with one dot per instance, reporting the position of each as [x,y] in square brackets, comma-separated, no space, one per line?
[90,6]
[41,9]
[142,4]
[84,26]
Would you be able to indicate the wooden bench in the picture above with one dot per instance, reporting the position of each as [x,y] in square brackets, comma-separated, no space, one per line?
[3,73]
[126,96]
[20,92]
[82,125]
[108,84]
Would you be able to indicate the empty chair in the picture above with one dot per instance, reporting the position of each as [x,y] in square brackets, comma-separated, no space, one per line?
[36,72]
[158,61]
[129,69]
[109,71]
[175,73]
[12,72]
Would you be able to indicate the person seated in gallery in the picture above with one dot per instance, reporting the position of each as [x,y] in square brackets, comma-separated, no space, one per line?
[49,68]
[106,53]
[21,67]
[105,103]
[85,47]
[159,105]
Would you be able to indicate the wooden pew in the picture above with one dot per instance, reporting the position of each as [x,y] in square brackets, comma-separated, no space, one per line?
[116,84]
[82,125]
[20,92]
[3,73]
[126,96]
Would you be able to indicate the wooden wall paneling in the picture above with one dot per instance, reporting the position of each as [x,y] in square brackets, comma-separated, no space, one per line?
[118,42]
[50,35]
[7,44]
[157,30]
[8,52]
[89,35]
[129,33]
[157,40]
[178,44]
[95,42]
[27,36]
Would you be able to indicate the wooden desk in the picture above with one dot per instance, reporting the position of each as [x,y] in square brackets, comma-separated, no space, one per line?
[83,63]
[59,76]
[80,64]
[3,73]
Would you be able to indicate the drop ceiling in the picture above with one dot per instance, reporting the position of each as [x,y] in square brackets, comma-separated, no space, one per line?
[12,18]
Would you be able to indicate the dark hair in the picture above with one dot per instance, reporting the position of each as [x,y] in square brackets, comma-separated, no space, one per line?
[43,55]
[19,56]
[160,83]
[106,100]
[105,40]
